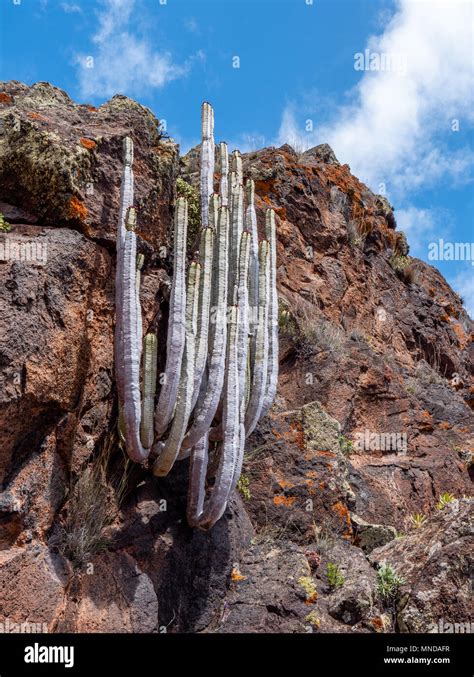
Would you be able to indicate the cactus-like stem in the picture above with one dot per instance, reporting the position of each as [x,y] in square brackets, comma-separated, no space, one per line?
[229,452]
[243,302]
[237,167]
[206,250]
[251,225]
[207,408]
[236,228]
[207,161]
[131,353]
[176,323]
[272,373]
[169,452]
[224,171]
[259,372]
[138,279]
[197,480]
[148,389]
[222,345]
[126,201]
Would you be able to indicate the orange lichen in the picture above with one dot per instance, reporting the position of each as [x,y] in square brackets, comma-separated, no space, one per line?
[5,98]
[77,209]
[297,433]
[236,575]
[444,425]
[37,116]
[287,501]
[461,334]
[377,623]
[88,143]
[341,510]
[284,484]
[263,188]
[92,109]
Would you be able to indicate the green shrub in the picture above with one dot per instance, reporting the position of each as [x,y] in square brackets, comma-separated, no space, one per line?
[334,576]
[418,520]
[243,487]
[444,499]
[389,582]
[346,445]
[4,225]
[404,268]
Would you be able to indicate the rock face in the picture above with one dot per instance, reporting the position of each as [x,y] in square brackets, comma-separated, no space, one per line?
[437,564]
[372,421]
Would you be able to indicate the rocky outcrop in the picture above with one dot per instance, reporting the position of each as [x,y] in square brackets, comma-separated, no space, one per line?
[437,565]
[368,428]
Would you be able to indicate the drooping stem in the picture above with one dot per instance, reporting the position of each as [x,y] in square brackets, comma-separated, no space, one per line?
[176,323]
[168,453]
[229,451]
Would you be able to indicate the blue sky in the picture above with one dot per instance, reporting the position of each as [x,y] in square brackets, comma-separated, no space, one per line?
[404,123]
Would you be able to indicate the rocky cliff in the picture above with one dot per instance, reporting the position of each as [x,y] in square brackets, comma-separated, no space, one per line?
[364,458]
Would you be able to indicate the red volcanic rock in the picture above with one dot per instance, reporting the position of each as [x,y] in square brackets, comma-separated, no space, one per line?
[371,424]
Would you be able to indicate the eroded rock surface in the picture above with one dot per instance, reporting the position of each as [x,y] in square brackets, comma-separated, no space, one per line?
[364,351]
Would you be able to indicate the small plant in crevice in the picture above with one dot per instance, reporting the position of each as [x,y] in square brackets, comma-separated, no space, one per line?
[243,487]
[444,499]
[92,504]
[404,268]
[346,445]
[5,227]
[418,520]
[309,587]
[389,583]
[334,576]
[312,333]
[313,619]
[323,538]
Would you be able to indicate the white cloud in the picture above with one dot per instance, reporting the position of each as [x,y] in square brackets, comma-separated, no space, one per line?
[70,8]
[463,284]
[397,126]
[423,226]
[124,63]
